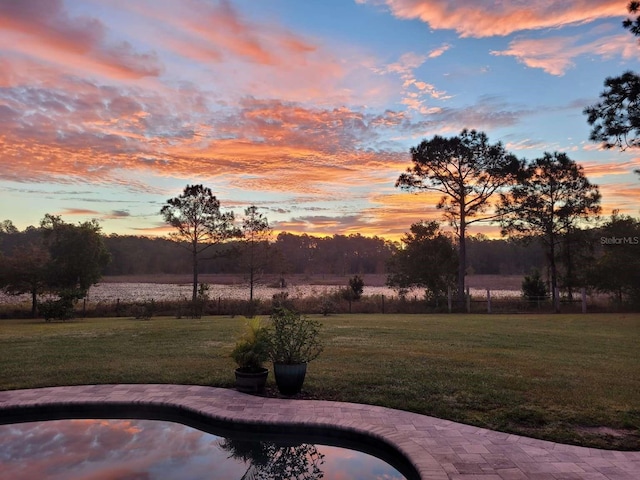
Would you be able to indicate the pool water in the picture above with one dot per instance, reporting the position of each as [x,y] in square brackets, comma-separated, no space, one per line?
[135,449]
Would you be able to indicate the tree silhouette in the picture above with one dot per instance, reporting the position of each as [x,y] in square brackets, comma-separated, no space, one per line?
[428,260]
[617,269]
[467,170]
[615,120]
[200,224]
[551,198]
[271,461]
[256,233]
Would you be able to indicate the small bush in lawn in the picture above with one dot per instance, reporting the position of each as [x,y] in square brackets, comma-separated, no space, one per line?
[327,306]
[533,287]
[60,308]
[356,285]
[145,310]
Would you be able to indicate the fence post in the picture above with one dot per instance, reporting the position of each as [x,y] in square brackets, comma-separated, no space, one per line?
[382,303]
[556,302]
[468,301]
[449,298]
[584,300]
[488,301]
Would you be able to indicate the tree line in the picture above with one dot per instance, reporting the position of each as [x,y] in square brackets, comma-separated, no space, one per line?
[604,258]
[289,253]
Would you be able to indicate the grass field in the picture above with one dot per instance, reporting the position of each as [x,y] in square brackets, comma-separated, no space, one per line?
[567,378]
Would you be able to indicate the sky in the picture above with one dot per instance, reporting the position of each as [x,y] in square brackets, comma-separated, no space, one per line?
[306,109]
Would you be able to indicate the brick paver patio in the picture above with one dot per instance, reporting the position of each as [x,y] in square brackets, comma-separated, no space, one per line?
[438,449]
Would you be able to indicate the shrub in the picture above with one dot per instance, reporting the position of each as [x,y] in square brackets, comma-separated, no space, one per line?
[356,284]
[533,287]
[293,338]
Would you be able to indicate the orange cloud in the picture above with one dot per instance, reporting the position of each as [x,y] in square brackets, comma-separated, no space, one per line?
[555,55]
[595,169]
[486,18]
[79,211]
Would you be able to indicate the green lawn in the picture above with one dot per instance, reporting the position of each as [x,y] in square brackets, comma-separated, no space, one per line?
[568,378]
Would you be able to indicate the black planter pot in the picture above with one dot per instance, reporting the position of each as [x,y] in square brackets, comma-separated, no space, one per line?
[289,377]
[250,381]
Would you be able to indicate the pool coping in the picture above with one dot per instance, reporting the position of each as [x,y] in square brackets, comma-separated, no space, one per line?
[438,449]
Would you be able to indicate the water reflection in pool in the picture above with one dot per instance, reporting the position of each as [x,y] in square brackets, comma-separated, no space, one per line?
[150,449]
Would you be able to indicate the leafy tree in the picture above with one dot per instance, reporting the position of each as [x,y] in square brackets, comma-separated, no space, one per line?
[7,226]
[467,170]
[616,118]
[77,254]
[427,260]
[256,234]
[200,224]
[552,197]
[617,268]
[25,271]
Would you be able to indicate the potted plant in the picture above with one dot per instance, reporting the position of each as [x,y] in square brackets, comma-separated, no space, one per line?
[294,340]
[250,353]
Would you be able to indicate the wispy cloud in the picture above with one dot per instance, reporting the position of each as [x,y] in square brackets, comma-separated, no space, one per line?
[486,18]
[46,32]
[555,55]
[414,91]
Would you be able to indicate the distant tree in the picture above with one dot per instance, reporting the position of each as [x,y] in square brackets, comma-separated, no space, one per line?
[77,254]
[617,268]
[467,170]
[427,259]
[616,119]
[576,251]
[25,271]
[551,198]
[200,224]
[356,286]
[7,226]
[256,233]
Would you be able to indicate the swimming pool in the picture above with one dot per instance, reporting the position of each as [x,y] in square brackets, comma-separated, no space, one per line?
[134,441]
[153,449]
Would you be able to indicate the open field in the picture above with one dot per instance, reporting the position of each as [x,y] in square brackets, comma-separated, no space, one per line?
[567,378]
[493,282]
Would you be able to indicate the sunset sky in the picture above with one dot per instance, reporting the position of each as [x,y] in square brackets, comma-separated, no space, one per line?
[306,109]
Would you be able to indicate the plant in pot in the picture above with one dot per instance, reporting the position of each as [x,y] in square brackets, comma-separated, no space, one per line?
[294,340]
[250,353]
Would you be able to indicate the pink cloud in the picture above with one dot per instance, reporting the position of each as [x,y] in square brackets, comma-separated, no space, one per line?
[595,169]
[415,92]
[485,18]
[44,30]
[555,55]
